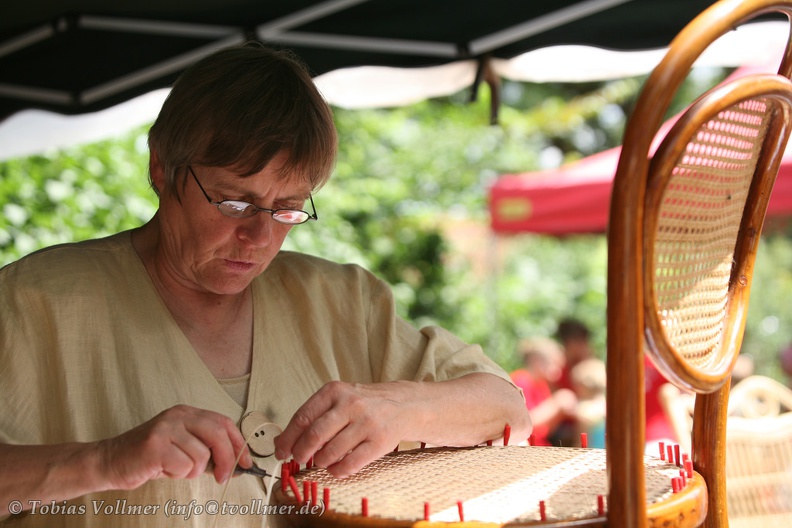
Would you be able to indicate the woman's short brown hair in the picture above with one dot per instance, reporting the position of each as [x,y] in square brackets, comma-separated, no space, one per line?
[237,109]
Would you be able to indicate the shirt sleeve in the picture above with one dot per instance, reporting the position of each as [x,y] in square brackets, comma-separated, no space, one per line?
[398,350]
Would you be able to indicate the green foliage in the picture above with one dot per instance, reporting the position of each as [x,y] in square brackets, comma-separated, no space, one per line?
[76,194]
[769,326]
[536,281]
[409,188]
[403,175]
[407,176]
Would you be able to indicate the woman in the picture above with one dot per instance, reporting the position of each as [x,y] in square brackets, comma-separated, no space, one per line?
[129,364]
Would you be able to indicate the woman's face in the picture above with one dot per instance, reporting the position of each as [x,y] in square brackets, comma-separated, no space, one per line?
[205,250]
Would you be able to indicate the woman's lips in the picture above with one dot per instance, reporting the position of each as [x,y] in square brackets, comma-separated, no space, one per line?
[240,265]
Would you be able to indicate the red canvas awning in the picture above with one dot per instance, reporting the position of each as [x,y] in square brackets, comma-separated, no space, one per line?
[572,199]
[575,198]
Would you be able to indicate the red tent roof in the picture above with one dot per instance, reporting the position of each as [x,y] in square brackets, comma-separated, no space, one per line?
[575,198]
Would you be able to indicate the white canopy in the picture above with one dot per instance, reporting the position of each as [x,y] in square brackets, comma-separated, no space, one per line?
[35,131]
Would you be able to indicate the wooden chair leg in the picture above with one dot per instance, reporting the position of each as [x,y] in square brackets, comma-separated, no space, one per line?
[709,430]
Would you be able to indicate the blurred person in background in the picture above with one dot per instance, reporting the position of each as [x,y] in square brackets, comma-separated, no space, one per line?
[575,339]
[589,381]
[542,363]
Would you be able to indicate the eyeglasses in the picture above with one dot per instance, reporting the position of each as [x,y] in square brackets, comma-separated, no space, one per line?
[240,209]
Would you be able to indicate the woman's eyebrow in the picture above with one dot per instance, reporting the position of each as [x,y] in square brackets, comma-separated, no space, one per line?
[235,188]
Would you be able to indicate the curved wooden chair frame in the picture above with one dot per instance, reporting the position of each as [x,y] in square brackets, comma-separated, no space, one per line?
[637,315]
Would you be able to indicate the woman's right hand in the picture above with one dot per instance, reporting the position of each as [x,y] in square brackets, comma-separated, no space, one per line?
[178,443]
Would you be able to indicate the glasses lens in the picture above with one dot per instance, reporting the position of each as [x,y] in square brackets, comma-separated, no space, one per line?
[237,209]
[290,216]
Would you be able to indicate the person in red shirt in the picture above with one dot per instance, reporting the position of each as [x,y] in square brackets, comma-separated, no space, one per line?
[543,361]
[574,337]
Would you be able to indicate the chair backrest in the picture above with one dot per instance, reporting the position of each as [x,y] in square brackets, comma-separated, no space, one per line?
[683,232]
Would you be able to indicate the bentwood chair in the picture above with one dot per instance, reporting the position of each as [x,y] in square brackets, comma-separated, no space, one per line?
[684,227]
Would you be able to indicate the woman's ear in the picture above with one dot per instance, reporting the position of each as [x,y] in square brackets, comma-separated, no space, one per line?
[156,172]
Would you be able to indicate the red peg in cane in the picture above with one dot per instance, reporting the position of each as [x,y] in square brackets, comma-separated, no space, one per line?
[285,477]
[295,490]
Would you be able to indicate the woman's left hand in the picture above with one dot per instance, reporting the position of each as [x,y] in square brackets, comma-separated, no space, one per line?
[345,426]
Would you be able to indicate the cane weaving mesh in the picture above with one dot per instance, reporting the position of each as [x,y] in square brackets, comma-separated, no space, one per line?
[759,454]
[495,484]
[759,471]
[698,220]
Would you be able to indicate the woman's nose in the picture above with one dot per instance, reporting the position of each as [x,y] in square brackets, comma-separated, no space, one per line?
[257,229]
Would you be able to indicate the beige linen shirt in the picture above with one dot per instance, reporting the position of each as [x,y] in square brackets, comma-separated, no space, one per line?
[88,350]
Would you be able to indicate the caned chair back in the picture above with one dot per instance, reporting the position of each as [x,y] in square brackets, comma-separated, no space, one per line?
[684,228]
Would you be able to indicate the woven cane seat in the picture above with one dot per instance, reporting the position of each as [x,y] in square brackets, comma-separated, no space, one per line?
[495,485]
